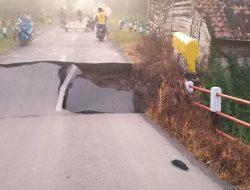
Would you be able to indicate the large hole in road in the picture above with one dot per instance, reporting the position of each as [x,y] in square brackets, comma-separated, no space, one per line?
[40,88]
[103,88]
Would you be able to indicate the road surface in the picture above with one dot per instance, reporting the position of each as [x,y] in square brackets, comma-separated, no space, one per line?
[72,46]
[41,148]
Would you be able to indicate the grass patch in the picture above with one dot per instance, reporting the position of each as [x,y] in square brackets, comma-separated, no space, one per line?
[126,39]
[6,44]
[125,36]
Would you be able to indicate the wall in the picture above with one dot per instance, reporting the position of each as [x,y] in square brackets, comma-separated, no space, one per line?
[241,49]
[180,15]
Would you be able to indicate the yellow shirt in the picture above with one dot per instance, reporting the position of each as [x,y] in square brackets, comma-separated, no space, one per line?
[101,18]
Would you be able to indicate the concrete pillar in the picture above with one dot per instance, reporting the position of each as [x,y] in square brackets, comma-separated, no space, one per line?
[130,24]
[147,29]
[158,32]
[140,26]
[215,101]
[135,25]
[4,28]
[188,88]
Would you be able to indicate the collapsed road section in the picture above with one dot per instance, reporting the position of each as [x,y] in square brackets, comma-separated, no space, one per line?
[101,88]
[38,88]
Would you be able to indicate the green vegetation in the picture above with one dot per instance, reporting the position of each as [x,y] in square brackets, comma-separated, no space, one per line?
[235,81]
[5,45]
[127,10]
[125,36]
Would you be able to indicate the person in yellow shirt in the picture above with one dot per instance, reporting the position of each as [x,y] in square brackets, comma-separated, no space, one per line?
[101,20]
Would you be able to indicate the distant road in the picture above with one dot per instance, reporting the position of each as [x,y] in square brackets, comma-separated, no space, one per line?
[58,45]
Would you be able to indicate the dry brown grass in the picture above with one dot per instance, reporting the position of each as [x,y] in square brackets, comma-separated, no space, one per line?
[129,51]
[169,104]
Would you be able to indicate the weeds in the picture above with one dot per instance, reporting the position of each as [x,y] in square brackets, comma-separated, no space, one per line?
[6,44]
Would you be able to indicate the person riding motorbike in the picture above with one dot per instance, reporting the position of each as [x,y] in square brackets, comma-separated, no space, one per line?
[101,20]
[26,29]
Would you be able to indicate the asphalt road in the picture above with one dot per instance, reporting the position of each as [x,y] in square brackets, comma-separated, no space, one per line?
[58,45]
[44,149]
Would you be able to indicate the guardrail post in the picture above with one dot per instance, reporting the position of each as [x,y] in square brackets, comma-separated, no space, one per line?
[158,32]
[130,24]
[140,26]
[135,25]
[188,85]
[147,29]
[215,105]
[4,28]
[215,101]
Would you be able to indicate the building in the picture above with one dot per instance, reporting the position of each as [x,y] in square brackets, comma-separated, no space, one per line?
[224,21]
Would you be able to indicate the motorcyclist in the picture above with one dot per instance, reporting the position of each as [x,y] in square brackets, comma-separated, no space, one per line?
[26,28]
[101,20]
[28,23]
[79,15]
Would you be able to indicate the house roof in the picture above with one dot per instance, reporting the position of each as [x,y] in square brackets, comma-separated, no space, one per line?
[227,19]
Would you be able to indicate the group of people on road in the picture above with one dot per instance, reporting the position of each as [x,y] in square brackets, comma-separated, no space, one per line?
[100,18]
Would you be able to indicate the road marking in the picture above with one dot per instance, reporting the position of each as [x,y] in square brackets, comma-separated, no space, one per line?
[74,37]
[64,87]
[63,58]
[35,40]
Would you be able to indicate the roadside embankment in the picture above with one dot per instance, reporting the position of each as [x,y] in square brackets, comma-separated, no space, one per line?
[172,108]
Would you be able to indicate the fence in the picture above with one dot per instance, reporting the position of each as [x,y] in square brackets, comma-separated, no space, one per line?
[132,25]
[216,96]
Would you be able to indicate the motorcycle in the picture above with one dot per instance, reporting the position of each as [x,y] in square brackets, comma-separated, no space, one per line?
[25,33]
[101,31]
[90,24]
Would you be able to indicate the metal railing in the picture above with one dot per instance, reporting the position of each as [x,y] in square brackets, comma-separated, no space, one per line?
[215,105]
